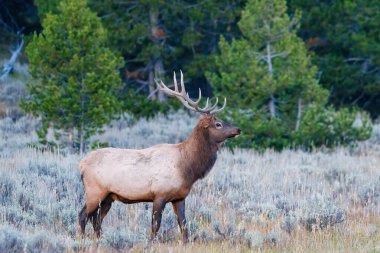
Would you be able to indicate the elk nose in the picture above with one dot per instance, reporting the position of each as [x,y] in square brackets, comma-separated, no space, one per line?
[239,131]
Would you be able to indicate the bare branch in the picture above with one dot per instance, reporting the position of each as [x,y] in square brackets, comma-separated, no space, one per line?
[8,67]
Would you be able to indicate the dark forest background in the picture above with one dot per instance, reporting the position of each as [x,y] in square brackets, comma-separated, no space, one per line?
[156,38]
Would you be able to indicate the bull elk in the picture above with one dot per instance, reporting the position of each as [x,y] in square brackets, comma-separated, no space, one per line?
[159,174]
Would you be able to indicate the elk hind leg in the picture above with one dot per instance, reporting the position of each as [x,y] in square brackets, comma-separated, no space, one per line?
[100,213]
[83,218]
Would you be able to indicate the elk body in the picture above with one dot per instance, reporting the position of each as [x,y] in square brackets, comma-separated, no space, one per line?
[160,174]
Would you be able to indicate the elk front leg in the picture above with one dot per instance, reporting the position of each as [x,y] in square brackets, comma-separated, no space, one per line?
[158,208]
[179,210]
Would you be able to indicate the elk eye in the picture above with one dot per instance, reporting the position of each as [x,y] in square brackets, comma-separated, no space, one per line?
[218,125]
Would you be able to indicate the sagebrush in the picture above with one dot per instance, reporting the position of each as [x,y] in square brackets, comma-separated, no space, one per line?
[269,201]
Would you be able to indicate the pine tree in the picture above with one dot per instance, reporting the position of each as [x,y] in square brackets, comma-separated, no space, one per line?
[345,38]
[47,6]
[268,76]
[158,37]
[75,77]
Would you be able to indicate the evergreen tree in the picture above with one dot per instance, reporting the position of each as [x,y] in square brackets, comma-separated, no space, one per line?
[158,37]
[47,6]
[75,77]
[345,37]
[268,77]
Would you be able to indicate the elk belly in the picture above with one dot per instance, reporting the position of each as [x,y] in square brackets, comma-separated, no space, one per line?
[131,184]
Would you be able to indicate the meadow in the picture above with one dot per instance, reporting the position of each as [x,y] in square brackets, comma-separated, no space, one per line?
[292,201]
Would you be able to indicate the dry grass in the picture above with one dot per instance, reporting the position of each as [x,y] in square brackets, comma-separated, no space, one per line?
[250,202]
[11,90]
[272,202]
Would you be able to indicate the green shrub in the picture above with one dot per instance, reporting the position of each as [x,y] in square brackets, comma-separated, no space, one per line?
[327,127]
[272,86]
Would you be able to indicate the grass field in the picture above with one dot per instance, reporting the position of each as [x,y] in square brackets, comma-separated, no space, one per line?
[250,202]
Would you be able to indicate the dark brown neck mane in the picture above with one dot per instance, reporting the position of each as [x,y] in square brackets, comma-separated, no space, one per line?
[198,154]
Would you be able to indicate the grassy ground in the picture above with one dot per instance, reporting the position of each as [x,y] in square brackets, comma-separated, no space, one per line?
[272,202]
[250,202]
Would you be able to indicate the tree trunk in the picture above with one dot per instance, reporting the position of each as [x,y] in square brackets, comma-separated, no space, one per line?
[82,146]
[152,86]
[81,131]
[71,137]
[158,73]
[157,67]
[272,106]
[269,59]
[8,67]
[272,100]
[299,114]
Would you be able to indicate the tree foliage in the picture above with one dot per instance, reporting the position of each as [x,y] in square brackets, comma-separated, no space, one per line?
[263,67]
[268,76]
[75,76]
[327,127]
[345,37]
[158,37]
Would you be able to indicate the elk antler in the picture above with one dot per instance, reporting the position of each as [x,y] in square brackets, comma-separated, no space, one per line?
[183,96]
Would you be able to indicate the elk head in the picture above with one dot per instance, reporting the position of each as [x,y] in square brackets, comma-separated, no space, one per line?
[216,130]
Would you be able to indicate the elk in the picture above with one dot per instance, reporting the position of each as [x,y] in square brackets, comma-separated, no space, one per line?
[160,174]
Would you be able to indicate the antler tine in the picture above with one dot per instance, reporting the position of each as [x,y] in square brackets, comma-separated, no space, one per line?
[175,82]
[186,103]
[183,91]
[193,103]
[220,109]
[205,108]
[214,106]
[185,95]
[200,96]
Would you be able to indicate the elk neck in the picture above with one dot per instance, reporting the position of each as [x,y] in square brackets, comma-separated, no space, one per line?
[198,155]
